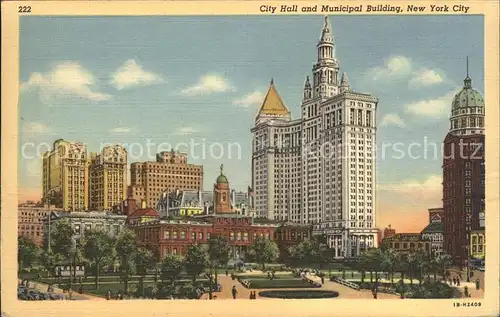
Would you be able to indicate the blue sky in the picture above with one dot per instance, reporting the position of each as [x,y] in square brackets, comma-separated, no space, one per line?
[177,79]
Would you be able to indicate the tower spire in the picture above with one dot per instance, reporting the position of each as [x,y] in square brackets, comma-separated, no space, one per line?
[467,80]
[467,63]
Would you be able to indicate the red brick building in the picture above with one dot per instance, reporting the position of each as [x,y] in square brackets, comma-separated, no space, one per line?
[464,173]
[173,236]
[389,232]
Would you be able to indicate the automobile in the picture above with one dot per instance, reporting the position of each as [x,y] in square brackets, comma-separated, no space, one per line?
[56,296]
[481,268]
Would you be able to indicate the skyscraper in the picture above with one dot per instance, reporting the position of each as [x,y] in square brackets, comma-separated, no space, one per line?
[319,169]
[65,176]
[171,171]
[464,172]
[108,178]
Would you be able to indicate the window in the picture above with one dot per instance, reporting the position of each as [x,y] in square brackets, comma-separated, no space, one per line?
[238,236]
[200,235]
[174,235]
[193,235]
[231,236]
[167,235]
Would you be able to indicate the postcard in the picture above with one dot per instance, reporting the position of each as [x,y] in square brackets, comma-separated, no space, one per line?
[247,158]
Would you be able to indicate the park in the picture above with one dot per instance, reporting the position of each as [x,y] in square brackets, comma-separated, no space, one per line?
[101,267]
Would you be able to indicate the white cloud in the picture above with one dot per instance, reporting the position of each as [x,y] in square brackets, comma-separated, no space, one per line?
[413,191]
[33,167]
[403,68]
[65,79]
[438,107]
[120,130]
[185,131]
[425,77]
[251,99]
[35,128]
[208,84]
[131,74]
[393,119]
[394,66]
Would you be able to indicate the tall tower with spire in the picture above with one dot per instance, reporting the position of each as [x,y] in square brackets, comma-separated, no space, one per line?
[325,70]
[320,168]
[464,172]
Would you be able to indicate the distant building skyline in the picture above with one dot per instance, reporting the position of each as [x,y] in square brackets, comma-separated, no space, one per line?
[123,86]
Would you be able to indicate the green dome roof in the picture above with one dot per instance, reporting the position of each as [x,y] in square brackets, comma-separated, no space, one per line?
[467,97]
[222,179]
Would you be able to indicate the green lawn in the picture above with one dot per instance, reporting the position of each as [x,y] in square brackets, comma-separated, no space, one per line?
[265,277]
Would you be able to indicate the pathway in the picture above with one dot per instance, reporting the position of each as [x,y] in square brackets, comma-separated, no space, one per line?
[347,292]
[244,293]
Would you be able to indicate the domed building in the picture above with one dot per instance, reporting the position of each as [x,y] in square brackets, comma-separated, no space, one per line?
[464,173]
[194,217]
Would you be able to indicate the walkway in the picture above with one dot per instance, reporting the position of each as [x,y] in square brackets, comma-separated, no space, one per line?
[244,293]
[347,292]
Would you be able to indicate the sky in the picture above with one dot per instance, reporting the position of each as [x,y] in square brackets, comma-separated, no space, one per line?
[197,82]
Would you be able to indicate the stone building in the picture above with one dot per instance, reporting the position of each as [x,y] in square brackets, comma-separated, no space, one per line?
[170,172]
[319,169]
[82,222]
[407,242]
[173,236]
[31,217]
[464,172]
[189,202]
[108,178]
[65,176]
[477,245]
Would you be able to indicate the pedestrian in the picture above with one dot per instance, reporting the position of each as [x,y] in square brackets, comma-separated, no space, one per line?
[227,272]
[352,274]
[466,291]
[477,284]
[108,295]
[322,279]
[251,295]
[234,291]
[458,282]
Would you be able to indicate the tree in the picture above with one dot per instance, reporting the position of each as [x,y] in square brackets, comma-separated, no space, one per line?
[303,251]
[145,260]
[27,252]
[98,247]
[264,250]
[60,238]
[389,262]
[126,250]
[195,261]
[171,270]
[218,254]
[445,262]
[48,260]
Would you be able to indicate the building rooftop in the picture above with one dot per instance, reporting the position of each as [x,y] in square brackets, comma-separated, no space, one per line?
[144,212]
[273,105]
[435,227]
